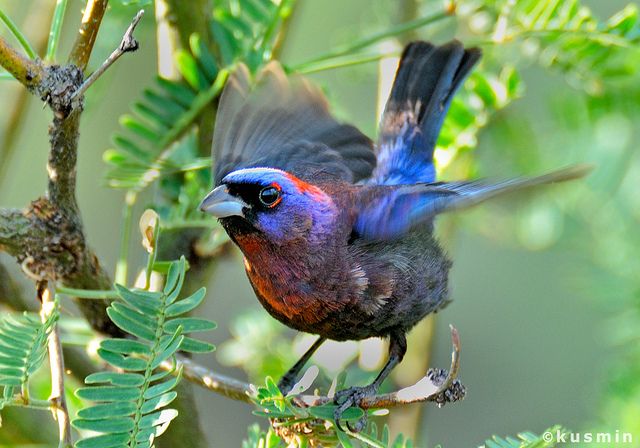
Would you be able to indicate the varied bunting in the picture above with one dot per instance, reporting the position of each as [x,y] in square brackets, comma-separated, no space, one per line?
[336,232]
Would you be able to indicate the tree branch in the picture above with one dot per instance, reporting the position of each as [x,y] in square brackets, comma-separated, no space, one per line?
[436,386]
[56,362]
[127,44]
[91,20]
[25,70]
[47,237]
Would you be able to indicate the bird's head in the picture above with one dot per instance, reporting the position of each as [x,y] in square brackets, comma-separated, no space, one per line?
[270,201]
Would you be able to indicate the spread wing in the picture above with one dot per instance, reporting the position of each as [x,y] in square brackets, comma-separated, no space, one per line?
[426,81]
[388,212]
[284,122]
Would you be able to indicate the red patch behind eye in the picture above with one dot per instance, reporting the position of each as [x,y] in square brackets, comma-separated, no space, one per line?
[306,188]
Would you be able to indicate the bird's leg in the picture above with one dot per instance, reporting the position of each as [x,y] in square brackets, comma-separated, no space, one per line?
[289,379]
[351,397]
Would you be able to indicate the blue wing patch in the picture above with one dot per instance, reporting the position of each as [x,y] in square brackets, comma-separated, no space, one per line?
[388,212]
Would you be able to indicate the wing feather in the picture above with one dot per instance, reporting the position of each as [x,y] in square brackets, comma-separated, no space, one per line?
[389,212]
[284,122]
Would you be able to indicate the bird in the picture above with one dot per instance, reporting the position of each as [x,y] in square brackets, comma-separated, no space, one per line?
[337,232]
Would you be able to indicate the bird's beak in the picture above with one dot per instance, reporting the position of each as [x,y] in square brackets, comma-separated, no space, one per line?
[221,204]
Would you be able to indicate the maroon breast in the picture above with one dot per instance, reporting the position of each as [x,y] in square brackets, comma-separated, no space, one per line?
[282,287]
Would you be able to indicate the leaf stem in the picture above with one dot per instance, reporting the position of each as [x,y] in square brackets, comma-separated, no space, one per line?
[18,35]
[283,12]
[56,362]
[152,256]
[337,62]
[87,293]
[43,405]
[374,38]
[56,27]
[122,264]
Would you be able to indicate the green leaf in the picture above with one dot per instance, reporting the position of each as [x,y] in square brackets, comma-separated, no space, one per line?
[526,440]
[180,93]
[272,387]
[134,404]
[100,411]
[189,69]
[159,375]
[325,412]
[26,46]
[108,425]
[194,346]
[144,304]
[23,347]
[149,321]
[344,439]
[189,324]
[203,56]
[10,381]
[169,106]
[139,129]
[188,304]
[129,325]
[158,418]
[175,272]
[103,441]
[161,388]
[570,39]
[122,362]
[168,349]
[12,353]
[115,378]
[239,37]
[125,346]
[125,145]
[108,393]
[56,27]
[158,402]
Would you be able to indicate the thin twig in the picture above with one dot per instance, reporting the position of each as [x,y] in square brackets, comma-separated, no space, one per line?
[435,386]
[56,362]
[127,44]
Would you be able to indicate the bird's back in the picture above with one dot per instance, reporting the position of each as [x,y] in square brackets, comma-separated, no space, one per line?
[407,275]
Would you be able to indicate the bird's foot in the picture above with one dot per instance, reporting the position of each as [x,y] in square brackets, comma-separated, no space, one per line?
[286,383]
[352,397]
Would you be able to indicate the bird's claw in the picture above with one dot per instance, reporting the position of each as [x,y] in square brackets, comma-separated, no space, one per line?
[286,383]
[352,397]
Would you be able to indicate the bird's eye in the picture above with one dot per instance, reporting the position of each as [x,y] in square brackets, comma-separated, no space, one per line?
[269,196]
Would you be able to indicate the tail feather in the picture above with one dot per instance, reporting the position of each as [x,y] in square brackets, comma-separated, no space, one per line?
[426,81]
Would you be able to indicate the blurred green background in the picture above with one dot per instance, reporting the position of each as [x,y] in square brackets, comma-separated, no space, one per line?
[545,286]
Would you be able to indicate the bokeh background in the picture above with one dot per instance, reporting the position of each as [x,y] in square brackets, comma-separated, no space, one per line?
[545,286]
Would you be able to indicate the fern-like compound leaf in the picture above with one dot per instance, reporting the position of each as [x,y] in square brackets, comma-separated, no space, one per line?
[23,348]
[130,406]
